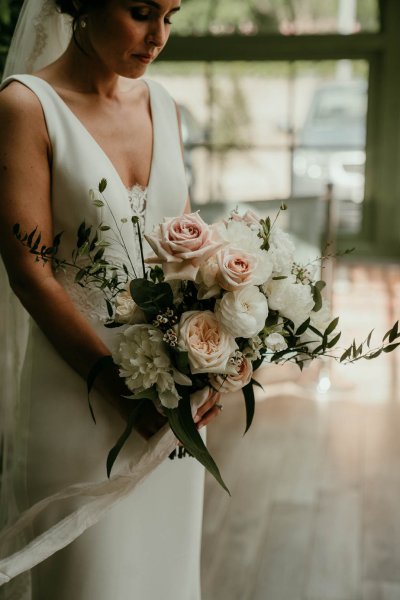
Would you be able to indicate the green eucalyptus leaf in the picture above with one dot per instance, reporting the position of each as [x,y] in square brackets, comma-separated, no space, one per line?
[368,342]
[181,422]
[394,333]
[248,393]
[334,341]
[375,354]
[181,361]
[102,363]
[391,347]
[150,394]
[151,297]
[30,237]
[331,327]
[113,454]
[303,327]
[98,203]
[102,185]
[317,297]
[113,324]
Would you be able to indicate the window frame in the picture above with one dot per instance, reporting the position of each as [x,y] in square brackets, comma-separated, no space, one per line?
[380,233]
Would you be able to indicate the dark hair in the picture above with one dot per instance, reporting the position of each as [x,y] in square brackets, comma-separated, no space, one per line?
[70,8]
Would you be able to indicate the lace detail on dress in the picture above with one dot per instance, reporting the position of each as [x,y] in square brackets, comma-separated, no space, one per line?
[91,301]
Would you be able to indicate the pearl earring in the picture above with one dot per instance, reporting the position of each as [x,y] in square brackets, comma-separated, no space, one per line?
[83,22]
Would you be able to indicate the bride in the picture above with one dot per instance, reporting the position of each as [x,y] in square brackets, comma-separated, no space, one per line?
[86,114]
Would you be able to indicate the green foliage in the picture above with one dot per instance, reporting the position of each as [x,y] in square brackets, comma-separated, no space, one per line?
[199,17]
[9,10]
[181,422]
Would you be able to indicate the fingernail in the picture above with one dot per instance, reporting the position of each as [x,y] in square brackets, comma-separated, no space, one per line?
[196,419]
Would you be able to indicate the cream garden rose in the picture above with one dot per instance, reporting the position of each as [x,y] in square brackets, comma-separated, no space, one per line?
[243,313]
[237,380]
[181,244]
[208,345]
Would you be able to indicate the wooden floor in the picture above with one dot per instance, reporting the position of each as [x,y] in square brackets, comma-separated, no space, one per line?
[315,506]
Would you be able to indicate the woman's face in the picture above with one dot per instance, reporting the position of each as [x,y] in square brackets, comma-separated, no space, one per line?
[127,35]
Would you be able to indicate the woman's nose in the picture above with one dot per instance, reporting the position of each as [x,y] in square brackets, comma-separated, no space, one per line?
[157,35]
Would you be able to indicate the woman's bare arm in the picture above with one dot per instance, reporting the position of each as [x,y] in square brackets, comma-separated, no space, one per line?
[25,198]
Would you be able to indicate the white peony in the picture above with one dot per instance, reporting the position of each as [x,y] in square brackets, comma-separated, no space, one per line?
[292,300]
[240,235]
[143,362]
[281,251]
[275,342]
[242,313]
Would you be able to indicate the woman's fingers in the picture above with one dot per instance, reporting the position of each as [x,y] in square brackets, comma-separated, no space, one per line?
[209,416]
[213,398]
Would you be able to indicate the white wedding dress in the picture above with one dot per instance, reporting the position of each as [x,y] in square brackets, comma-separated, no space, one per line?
[147,546]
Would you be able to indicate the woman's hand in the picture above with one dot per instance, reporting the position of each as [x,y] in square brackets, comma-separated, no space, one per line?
[209,410]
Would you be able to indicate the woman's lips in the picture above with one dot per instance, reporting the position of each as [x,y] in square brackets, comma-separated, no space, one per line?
[145,58]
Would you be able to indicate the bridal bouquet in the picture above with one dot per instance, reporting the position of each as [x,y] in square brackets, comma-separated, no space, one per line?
[213,303]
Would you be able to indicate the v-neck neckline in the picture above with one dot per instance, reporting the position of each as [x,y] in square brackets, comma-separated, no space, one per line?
[96,143]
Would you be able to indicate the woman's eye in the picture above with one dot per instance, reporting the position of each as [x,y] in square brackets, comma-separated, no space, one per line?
[140,14]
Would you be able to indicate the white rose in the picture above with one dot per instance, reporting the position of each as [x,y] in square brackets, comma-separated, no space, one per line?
[209,346]
[126,309]
[292,300]
[207,280]
[281,251]
[242,313]
[275,342]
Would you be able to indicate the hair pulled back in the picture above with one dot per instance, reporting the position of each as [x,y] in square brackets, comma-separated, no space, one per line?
[77,10]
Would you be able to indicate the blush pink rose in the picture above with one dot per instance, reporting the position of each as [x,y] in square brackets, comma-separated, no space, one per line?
[181,244]
[236,381]
[209,346]
[237,269]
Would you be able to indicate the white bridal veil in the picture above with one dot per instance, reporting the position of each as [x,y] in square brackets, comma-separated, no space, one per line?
[41,35]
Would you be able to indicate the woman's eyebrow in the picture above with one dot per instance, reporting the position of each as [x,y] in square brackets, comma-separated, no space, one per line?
[154,4]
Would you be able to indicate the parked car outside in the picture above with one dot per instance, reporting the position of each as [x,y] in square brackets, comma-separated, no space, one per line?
[330,147]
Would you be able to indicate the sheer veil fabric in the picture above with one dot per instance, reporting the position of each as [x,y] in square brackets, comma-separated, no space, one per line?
[41,35]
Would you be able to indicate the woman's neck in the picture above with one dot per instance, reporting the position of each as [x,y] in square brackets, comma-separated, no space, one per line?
[80,72]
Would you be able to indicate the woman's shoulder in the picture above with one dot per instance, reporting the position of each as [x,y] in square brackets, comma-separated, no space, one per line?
[21,112]
[17,101]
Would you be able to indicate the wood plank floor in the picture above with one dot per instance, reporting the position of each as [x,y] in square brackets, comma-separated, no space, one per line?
[315,506]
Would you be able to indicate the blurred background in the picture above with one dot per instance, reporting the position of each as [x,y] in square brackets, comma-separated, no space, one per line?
[297,101]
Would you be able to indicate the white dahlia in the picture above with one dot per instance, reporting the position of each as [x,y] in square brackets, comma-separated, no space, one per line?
[144,362]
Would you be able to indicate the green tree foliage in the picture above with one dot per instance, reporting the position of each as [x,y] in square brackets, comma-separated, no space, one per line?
[263,16]
[9,10]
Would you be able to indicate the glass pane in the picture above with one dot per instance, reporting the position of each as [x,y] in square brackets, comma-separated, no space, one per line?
[288,17]
[261,133]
